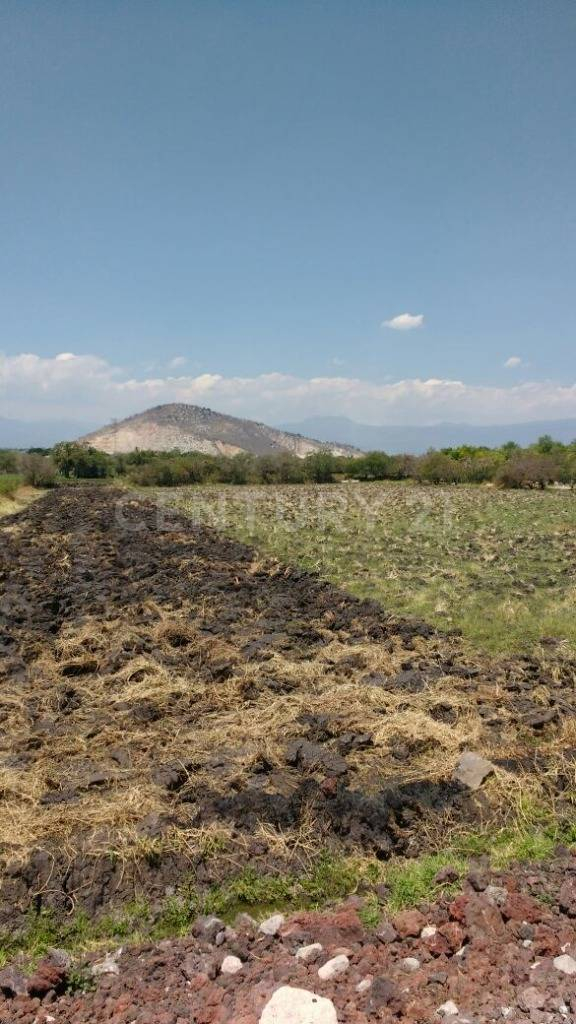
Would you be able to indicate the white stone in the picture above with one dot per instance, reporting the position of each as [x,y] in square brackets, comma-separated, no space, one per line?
[364,985]
[272,925]
[428,932]
[109,965]
[448,1009]
[334,967]
[472,769]
[460,952]
[505,1011]
[565,963]
[309,953]
[409,964]
[231,965]
[297,1006]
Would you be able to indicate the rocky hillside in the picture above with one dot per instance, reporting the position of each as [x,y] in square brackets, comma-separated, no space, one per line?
[191,428]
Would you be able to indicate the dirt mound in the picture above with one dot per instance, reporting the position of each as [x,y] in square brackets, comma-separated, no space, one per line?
[175,707]
[504,948]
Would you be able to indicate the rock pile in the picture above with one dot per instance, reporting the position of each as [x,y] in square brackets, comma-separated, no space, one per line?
[502,949]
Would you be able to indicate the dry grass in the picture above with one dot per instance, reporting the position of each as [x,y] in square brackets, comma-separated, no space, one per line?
[110,698]
[239,719]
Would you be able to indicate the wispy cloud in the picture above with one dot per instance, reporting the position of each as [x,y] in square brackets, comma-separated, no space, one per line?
[89,388]
[513,361]
[404,321]
[176,362]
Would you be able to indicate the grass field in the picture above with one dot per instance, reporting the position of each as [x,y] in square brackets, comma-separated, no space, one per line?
[14,495]
[499,565]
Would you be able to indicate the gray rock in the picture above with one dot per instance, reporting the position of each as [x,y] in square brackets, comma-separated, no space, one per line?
[207,928]
[60,958]
[12,982]
[309,954]
[297,1006]
[246,924]
[532,999]
[472,770]
[386,932]
[272,925]
[497,894]
[448,1009]
[334,968]
[409,964]
[565,963]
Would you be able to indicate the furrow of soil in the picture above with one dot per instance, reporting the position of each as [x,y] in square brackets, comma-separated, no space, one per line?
[174,707]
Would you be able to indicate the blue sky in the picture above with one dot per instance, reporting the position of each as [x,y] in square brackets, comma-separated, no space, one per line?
[197,194]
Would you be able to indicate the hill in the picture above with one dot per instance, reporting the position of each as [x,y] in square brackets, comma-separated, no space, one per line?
[192,428]
[397,438]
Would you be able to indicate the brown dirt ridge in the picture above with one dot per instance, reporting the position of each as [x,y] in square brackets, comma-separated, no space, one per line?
[174,706]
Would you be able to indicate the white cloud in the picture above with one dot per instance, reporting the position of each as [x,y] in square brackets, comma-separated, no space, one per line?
[91,389]
[404,321]
[512,362]
[176,362]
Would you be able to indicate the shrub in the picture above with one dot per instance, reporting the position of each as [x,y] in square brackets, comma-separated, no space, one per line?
[9,483]
[528,470]
[374,466]
[437,468]
[38,470]
[8,461]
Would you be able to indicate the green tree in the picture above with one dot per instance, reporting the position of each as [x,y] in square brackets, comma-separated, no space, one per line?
[320,467]
[81,461]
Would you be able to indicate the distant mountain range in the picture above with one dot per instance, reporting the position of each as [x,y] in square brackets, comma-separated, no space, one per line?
[39,433]
[411,439]
[192,428]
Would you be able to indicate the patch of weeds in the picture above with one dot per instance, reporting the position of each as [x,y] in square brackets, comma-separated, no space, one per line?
[370,913]
[249,891]
[331,878]
[80,980]
[175,918]
[413,882]
[534,839]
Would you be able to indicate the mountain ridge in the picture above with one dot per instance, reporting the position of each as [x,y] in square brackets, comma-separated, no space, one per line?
[410,439]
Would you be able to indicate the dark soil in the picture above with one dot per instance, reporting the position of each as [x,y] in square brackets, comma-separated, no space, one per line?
[127,633]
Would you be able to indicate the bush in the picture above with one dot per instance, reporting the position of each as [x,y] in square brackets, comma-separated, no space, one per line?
[38,470]
[8,461]
[437,468]
[9,484]
[374,466]
[528,471]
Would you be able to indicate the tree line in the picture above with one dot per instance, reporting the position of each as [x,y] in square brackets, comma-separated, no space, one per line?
[537,466]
